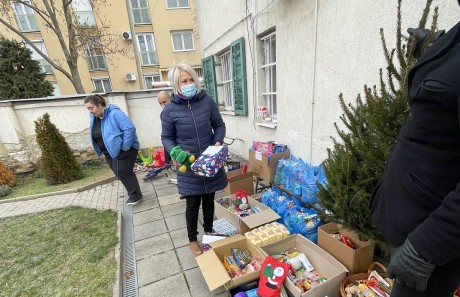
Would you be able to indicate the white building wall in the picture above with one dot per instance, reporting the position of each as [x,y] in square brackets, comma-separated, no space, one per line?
[347,55]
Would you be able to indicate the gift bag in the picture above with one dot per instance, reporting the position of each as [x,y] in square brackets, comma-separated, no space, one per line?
[272,275]
[210,161]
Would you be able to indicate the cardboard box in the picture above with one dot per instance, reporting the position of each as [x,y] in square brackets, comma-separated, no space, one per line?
[213,270]
[239,181]
[322,261]
[356,260]
[245,224]
[264,166]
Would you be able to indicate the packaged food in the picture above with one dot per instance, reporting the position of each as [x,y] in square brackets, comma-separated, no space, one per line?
[241,257]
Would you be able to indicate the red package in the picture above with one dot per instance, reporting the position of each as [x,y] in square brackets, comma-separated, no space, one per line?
[272,277]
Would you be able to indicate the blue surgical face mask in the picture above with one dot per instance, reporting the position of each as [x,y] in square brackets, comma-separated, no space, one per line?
[188,90]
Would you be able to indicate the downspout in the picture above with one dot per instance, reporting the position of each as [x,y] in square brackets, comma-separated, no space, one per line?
[313,80]
[136,48]
[255,90]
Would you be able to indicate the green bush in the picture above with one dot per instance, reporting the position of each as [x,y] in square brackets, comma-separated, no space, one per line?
[5,190]
[58,162]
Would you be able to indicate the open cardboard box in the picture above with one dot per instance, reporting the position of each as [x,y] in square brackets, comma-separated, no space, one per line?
[213,270]
[325,264]
[356,260]
[239,181]
[264,166]
[245,224]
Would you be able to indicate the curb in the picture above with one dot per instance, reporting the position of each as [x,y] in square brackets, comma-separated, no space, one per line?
[80,189]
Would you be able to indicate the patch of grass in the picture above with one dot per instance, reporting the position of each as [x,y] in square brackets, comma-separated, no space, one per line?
[64,252]
[35,183]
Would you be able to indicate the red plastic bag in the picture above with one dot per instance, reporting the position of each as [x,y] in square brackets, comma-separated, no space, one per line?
[159,158]
[272,275]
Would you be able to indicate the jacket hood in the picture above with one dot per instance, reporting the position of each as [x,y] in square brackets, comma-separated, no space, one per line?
[109,108]
[197,97]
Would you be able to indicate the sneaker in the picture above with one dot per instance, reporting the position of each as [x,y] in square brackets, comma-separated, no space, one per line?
[133,201]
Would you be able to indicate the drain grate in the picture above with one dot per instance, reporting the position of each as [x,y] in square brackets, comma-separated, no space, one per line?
[130,287]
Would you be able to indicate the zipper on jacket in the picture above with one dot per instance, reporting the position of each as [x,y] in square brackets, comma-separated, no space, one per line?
[102,132]
[198,138]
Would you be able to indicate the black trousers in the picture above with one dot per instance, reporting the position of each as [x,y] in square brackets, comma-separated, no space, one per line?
[192,210]
[443,282]
[123,166]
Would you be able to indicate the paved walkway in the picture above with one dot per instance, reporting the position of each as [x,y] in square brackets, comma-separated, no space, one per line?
[165,265]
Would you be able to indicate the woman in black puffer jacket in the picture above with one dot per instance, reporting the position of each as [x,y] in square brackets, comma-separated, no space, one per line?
[192,120]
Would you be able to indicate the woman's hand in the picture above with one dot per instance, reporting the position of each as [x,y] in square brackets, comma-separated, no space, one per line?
[217,144]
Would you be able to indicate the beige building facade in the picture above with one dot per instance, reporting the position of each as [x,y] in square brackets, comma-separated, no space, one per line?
[154,34]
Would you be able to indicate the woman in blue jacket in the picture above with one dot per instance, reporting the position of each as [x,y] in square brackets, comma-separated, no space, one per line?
[114,135]
[192,120]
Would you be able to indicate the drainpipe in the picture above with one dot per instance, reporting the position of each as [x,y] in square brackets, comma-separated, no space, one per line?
[136,48]
[255,90]
[313,81]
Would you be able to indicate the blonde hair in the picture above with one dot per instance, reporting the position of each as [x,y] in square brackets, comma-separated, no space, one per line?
[174,76]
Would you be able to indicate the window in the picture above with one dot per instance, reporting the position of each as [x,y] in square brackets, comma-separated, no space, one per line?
[57,90]
[83,13]
[199,71]
[25,17]
[44,65]
[102,85]
[182,41]
[141,12]
[227,84]
[178,4]
[147,49]
[269,76]
[150,78]
[234,80]
[94,54]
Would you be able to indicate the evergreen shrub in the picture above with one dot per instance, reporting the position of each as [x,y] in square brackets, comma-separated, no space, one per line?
[59,165]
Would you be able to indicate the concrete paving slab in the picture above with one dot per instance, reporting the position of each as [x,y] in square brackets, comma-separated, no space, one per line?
[174,286]
[145,231]
[157,267]
[148,194]
[167,191]
[173,209]
[153,245]
[169,199]
[145,204]
[198,286]
[147,216]
[175,222]
[179,237]
[186,258]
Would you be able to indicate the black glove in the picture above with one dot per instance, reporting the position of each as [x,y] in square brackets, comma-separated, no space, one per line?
[409,267]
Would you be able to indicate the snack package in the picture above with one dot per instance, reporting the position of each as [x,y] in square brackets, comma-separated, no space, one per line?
[210,161]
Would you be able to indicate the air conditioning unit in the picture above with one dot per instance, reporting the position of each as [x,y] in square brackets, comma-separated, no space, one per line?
[130,76]
[126,35]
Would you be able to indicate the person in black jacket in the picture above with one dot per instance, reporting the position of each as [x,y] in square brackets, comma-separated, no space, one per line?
[417,204]
[192,120]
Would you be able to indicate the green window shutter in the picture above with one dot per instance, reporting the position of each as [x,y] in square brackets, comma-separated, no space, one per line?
[209,75]
[240,88]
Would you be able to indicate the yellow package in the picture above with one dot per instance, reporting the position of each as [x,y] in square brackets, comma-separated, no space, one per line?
[272,236]
[279,233]
[254,238]
[265,238]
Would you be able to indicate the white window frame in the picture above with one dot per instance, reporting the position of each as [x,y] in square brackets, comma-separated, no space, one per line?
[140,10]
[44,65]
[177,6]
[84,13]
[199,71]
[268,65]
[101,80]
[182,33]
[150,50]
[155,78]
[27,16]
[227,81]
[94,55]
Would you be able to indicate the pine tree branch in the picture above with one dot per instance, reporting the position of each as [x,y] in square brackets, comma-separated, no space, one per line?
[425,13]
